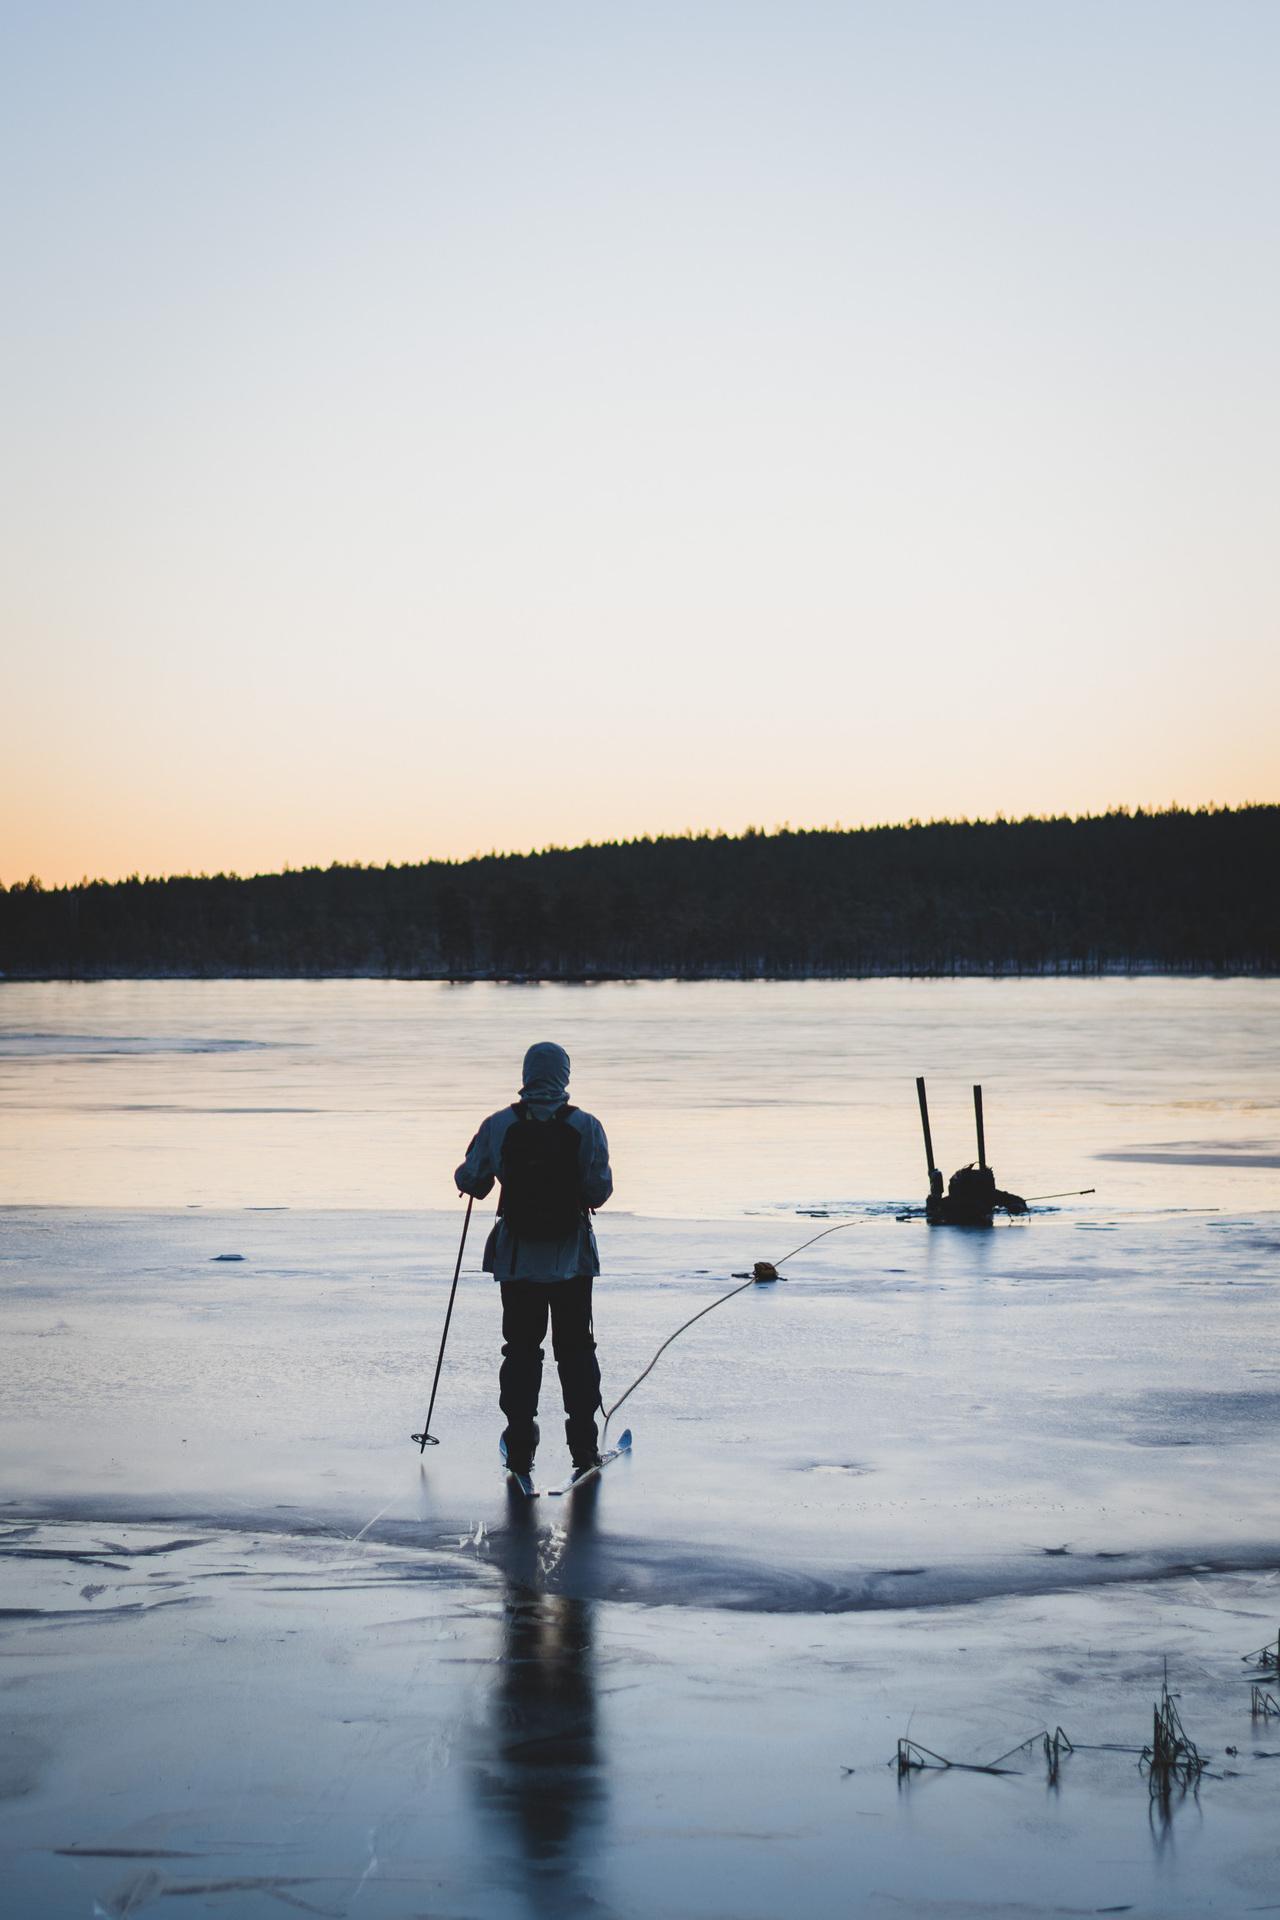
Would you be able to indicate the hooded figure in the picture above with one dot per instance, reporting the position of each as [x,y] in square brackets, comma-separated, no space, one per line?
[552,1163]
[546,1079]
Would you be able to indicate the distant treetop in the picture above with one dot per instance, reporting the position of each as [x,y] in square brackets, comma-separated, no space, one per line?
[1175,890]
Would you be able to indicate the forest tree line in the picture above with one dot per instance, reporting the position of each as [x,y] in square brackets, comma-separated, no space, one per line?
[1177,891]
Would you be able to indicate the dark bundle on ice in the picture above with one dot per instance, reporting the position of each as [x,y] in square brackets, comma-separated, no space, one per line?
[971,1198]
[972,1195]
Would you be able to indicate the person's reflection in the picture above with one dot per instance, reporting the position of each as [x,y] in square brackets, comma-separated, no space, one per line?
[539,1770]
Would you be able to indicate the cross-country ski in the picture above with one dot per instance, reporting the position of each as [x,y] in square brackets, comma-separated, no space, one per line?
[589,1473]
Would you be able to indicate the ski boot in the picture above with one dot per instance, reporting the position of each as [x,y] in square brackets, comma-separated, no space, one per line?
[518,1452]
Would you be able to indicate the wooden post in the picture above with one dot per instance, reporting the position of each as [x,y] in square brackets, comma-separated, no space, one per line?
[924,1121]
[982,1138]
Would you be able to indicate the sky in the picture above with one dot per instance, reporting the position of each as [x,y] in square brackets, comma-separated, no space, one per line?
[430,428]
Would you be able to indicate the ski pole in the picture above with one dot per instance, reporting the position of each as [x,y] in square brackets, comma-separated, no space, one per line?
[426,1438]
[1076,1193]
[924,1120]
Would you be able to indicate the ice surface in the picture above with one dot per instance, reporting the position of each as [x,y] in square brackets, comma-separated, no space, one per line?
[910,1415]
[371,1730]
[259,1654]
[719,1097]
[262,1653]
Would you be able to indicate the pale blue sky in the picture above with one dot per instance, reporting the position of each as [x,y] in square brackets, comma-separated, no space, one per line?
[430,428]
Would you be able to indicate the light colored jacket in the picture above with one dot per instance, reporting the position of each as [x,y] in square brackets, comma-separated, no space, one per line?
[507,1258]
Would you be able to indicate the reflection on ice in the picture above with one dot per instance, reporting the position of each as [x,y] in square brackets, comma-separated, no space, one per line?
[537,1769]
[378,1732]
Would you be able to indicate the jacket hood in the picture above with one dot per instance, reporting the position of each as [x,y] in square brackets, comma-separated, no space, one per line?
[546,1079]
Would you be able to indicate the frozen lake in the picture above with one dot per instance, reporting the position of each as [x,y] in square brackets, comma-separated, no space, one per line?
[719,1098]
[952,1484]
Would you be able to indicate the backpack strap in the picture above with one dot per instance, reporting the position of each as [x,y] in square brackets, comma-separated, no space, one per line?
[518,1108]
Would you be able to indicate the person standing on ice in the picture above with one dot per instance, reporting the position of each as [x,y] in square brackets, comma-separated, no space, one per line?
[551,1161]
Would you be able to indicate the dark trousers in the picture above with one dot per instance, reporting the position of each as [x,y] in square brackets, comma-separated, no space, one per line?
[526,1305]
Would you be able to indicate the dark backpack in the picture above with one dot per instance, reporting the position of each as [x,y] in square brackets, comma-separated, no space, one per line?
[541,1184]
